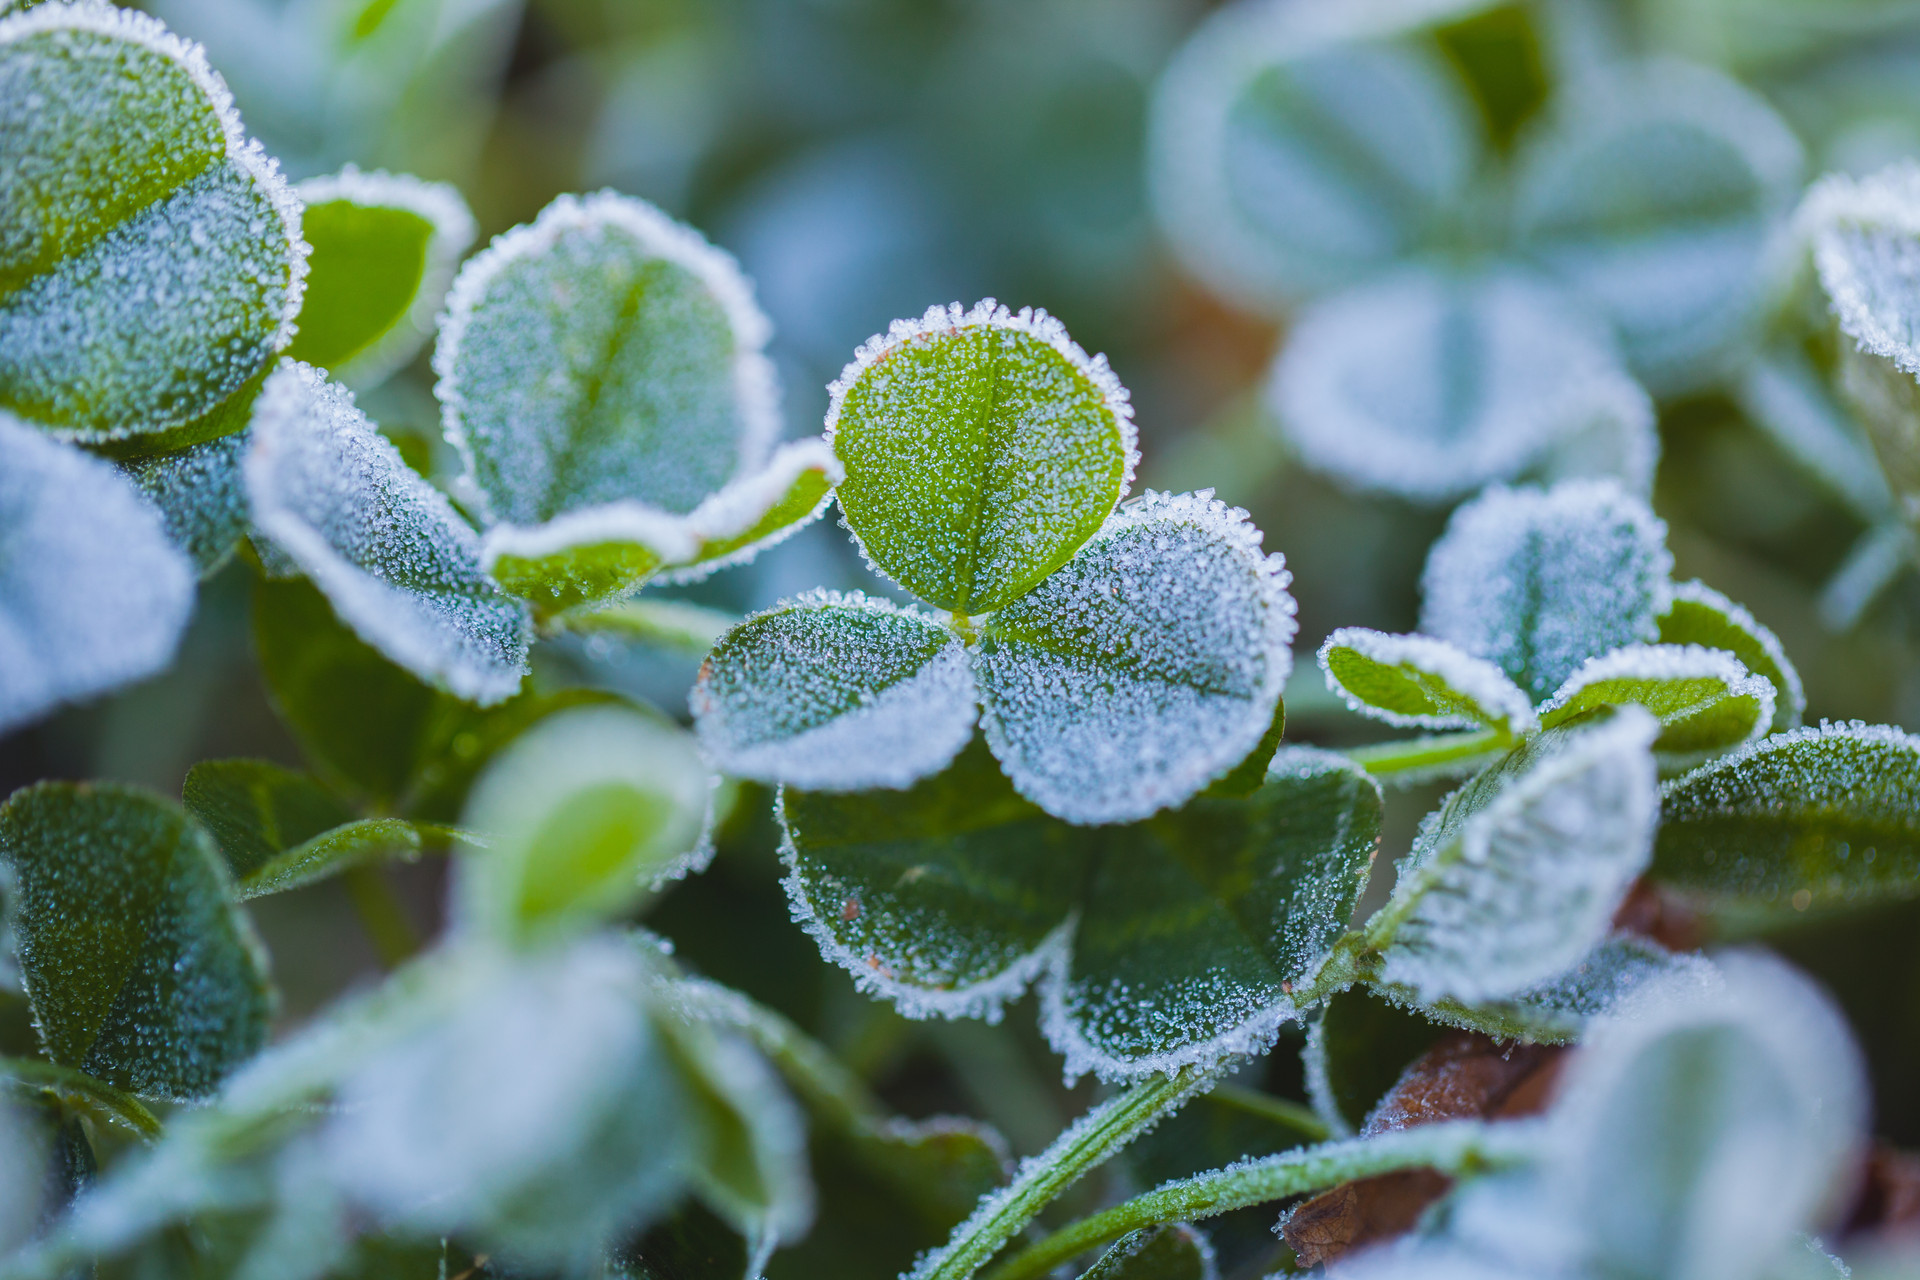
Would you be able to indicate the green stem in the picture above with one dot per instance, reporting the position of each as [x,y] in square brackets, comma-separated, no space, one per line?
[664,624]
[1453,1147]
[1088,1142]
[80,1091]
[385,920]
[1290,1115]
[1434,752]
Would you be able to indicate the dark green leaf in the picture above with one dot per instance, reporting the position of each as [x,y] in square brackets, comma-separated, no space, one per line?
[141,969]
[1172,1252]
[691,1244]
[280,830]
[1357,1049]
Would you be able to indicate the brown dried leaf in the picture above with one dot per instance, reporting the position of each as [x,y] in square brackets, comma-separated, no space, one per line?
[1361,1212]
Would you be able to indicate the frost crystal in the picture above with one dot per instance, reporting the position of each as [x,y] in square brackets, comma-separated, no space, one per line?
[833,692]
[396,561]
[1145,668]
[1865,237]
[200,496]
[1703,698]
[92,595]
[1425,684]
[1430,385]
[1537,582]
[1697,614]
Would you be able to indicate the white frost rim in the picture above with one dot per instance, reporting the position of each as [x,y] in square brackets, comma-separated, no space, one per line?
[1478,679]
[1794,696]
[755,386]
[1672,662]
[745,501]
[1857,730]
[1887,201]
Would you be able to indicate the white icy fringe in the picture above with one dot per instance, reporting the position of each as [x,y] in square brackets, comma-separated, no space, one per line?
[1793,698]
[1362,387]
[1864,234]
[1714,786]
[898,734]
[1475,678]
[1675,662]
[952,319]
[333,494]
[247,155]
[92,593]
[452,235]
[756,389]
[1527,885]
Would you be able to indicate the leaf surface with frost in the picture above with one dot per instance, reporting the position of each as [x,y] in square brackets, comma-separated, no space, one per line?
[1537,582]
[835,693]
[384,251]
[1559,1010]
[1827,817]
[1697,614]
[1148,666]
[1703,698]
[394,558]
[1517,876]
[200,496]
[982,448]
[150,255]
[1416,681]
[141,969]
[1864,234]
[92,595]
[1172,1252]
[1430,385]
[1171,941]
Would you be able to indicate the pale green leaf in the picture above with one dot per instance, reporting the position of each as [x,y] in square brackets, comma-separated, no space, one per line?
[1703,698]
[150,255]
[1173,1252]
[1148,666]
[835,693]
[981,448]
[1418,682]
[1864,234]
[1697,614]
[141,969]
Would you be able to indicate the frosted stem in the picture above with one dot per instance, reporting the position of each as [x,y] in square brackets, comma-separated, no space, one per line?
[1090,1140]
[1413,755]
[1452,1147]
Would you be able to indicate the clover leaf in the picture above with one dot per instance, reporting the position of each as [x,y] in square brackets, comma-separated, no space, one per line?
[1166,942]
[602,372]
[153,259]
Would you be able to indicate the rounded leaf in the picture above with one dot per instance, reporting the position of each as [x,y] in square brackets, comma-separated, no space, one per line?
[200,496]
[1697,614]
[981,448]
[1145,668]
[1703,698]
[1417,682]
[1864,233]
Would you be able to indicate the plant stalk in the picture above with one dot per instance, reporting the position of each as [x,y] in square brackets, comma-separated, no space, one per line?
[1441,751]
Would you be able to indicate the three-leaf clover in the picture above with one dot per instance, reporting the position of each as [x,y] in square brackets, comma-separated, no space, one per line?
[1121,658]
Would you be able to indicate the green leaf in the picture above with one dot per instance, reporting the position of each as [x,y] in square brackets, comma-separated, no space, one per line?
[579,816]
[1697,614]
[1561,1009]
[1703,698]
[152,261]
[1146,668]
[80,1092]
[1417,682]
[1826,817]
[1653,188]
[92,596]
[1539,581]
[835,692]
[1172,941]
[384,251]
[1355,1052]
[1285,161]
[200,497]
[676,626]
[982,448]
[1517,876]
[141,969]
[693,1243]
[1173,1252]
[281,830]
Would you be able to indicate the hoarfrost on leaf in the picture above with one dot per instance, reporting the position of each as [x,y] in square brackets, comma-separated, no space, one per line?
[1145,668]
[394,558]
[1537,582]
[201,499]
[982,448]
[833,692]
[1864,234]
[1703,698]
[1430,384]
[92,595]
[1173,1252]
[1418,682]
[150,255]
[1560,1009]
[1697,614]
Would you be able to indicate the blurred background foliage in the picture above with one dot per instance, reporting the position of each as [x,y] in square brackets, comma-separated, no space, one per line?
[867,158]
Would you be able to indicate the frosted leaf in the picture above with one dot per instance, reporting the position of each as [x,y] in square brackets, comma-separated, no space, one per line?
[1824,817]
[1703,698]
[1286,157]
[1145,668]
[1864,234]
[140,969]
[1418,682]
[1653,188]
[1169,942]
[834,692]
[1697,614]
[150,255]
[1537,582]
[385,247]
[201,499]
[1517,875]
[579,815]
[603,354]
[981,447]
[760,509]
[92,595]
[1429,384]
[1559,1010]
[395,560]
[1173,1252]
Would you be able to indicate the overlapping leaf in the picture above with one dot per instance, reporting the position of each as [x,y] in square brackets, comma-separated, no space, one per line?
[1698,615]
[1418,682]
[1703,698]
[1173,1252]
[200,496]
